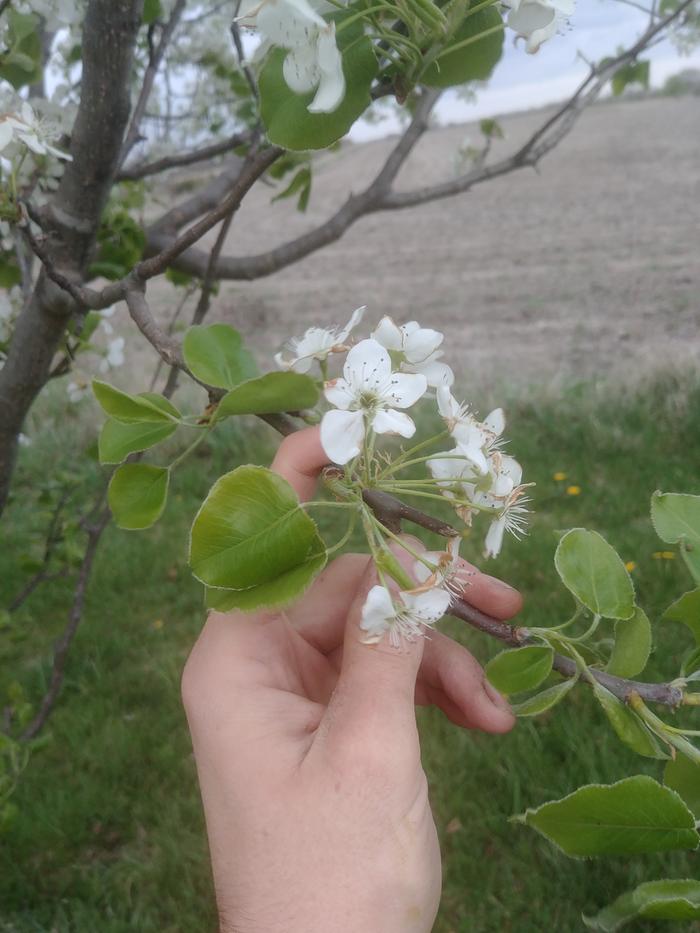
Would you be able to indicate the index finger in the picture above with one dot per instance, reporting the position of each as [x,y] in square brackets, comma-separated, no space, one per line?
[300,459]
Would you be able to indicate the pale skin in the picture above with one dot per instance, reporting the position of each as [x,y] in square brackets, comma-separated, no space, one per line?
[307,749]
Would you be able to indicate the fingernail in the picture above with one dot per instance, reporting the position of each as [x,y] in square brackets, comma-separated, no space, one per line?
[496,698]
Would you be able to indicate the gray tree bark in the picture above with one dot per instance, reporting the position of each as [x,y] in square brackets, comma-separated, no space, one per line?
[72,217]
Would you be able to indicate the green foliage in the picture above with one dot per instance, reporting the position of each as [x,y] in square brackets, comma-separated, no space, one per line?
[683,775]
[686,610]
[20,63]
[120,244]
[9,270]
[472,52]
[676,518]
[545,700]
[654,900]
[145,407]
[632,645]
[633,816]
[117,440]
[268,394]
[152,11]
[636,72]
[285,114]
[215,355]
[299,187]
[520,669]
[251,534]
[594,573]
[137,495]
[627,726]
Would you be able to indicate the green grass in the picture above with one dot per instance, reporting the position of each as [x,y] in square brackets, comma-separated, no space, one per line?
[108,833]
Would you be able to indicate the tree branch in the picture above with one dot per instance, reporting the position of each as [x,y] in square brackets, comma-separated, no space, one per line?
[155,58]
[144,169]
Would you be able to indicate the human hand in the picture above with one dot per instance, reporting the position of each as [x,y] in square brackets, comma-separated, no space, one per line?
[307,749]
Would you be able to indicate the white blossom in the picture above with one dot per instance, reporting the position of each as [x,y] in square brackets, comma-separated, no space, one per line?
[417,349]
[37,133]
[448,571]
[406,618]
[317,344]
[476,439]
[23,440]
[114,356]
[367,396]
[538,20]
[77,391]
[313,59]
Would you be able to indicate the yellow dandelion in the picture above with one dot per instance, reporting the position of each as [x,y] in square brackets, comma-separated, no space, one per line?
[559,477]
[630,566]
[664,555]
[573,490]
[158,624]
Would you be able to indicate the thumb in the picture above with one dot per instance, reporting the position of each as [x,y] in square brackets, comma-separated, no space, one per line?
[377,679]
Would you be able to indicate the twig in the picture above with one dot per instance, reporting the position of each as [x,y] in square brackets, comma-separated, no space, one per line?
[4,5]
[142,170]
[63,644]
[154,59]
[42,574]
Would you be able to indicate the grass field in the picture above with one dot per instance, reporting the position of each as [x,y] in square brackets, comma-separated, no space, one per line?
[108,834]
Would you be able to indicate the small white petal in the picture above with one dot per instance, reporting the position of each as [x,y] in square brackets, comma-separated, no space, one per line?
[388,334]
[342,433]
[437,373]
[331,88]
[378,612]
[300,69]
[6,134]
[389,421]
[406,389]
[367,366]
[427,607]
[288,23]
[448,406]
[420,343]
[355,319]
[495,421]
[339,393]
[494,538]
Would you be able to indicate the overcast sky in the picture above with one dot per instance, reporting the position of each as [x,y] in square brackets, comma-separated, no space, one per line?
[520,81]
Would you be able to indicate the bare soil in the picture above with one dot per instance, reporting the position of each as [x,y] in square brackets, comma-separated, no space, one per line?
[589,267]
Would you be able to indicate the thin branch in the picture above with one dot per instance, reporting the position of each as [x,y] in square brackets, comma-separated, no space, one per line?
[144,169]
[154,60]
[4,4]
[63,644]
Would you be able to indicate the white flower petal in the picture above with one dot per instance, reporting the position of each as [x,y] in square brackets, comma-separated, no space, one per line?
[6,134]
[339,393]
[470,445]
[342,433]
[367,366]
[494,538]
[288,23]
[331,88]
[437,373]
[388,334]
[535,22]
[495,421]
[389,421]
[420,343]
[378,612]
[448,406]
[355,319]
[406,389]
[300,69]
[428,607]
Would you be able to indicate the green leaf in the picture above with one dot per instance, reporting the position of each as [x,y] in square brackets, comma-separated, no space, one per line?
[474,51]
[118,440]
[9,271]
[683,775]
[668,899]
[285,114]
[545,700]
[301,185]
[686,610]
[268,394]
[137,494]
[21,65]
[632,645]
[630,817]
[629,728]
[278,592]
[676,518]
[592,570]
[215,354]
[152,10]
[691,662]
[251,531]
[131,409]
[632,73]
[520,669]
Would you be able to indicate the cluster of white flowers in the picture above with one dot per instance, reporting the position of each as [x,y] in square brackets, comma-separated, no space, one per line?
[26,128]
[313,60]
[535,21]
